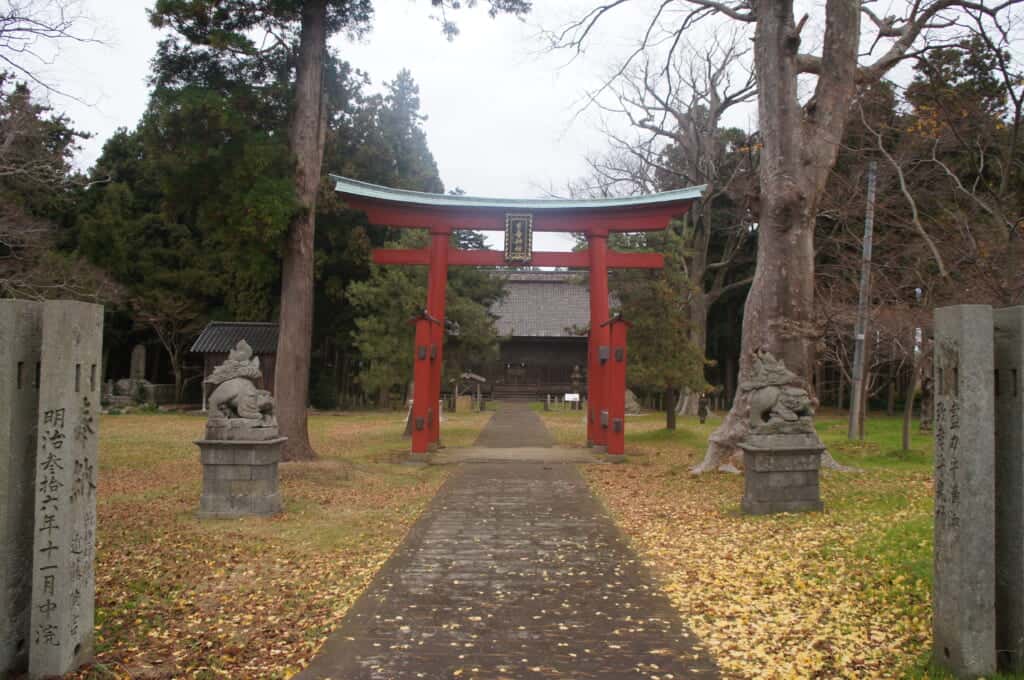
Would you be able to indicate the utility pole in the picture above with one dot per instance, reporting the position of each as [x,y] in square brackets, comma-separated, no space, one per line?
[854,431]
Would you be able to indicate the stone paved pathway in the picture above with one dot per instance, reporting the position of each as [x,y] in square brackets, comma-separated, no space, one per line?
[514,425]
[514,571]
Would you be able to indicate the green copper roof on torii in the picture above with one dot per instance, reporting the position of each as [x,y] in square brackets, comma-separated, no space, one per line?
[353,187]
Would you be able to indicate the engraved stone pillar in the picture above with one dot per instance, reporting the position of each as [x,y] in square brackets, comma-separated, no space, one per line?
[1009,431]
[138,366]
[63,581]
[20,329]
[964,618]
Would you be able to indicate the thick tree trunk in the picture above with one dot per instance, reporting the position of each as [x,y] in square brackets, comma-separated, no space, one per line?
[307,134]
[670,408]
[776,317]
[778,307]
[799,150]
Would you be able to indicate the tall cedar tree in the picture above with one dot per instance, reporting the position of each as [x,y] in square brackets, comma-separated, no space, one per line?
[228,25]
[188,211]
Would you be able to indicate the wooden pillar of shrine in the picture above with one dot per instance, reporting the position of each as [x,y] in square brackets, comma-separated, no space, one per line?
[437,287]
[424,356]
[615,381]
[597,352]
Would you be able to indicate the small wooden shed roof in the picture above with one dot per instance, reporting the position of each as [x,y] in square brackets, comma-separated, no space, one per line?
[222,336]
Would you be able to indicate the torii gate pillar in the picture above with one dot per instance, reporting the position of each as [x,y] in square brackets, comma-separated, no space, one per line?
[436,290]
[424,403]
[597,349]
[441,214]
[615,395]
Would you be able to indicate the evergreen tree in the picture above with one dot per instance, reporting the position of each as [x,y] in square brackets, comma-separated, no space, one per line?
[299,28]
[400,124]
[387,301]
[38,192]
[663,355]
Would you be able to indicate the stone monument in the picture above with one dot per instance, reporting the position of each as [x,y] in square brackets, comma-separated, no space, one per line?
[1009,446]
[964,620]
[632,404]
[137,370]
[782,452]
[20,340]
[63,578]
[241,449]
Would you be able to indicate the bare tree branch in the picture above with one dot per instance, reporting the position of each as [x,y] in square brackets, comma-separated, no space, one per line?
[31,32]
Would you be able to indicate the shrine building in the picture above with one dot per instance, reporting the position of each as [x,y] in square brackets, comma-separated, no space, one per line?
[542,324]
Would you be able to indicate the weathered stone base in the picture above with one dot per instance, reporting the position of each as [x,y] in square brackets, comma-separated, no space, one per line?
[239,429]
[783,478]
[239,478]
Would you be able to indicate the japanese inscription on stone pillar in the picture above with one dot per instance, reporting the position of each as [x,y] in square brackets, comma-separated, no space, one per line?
[518,238]
[65,520]
[964,583]
[947,438]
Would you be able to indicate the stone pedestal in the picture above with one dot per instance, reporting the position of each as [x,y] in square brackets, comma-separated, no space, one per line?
[239,478]
[781,473]
[241,449]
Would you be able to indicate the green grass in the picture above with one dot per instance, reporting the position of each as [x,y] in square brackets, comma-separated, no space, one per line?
[882,445]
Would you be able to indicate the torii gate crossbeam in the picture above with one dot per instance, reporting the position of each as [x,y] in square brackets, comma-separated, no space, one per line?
[596,219]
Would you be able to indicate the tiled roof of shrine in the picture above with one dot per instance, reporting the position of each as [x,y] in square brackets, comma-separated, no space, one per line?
[543,304]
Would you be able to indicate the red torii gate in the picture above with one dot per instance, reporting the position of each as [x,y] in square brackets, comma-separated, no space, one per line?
[596,218]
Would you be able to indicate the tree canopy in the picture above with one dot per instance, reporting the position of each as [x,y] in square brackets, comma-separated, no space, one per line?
[191,207]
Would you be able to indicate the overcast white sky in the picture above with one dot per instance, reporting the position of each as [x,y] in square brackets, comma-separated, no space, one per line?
[502,112]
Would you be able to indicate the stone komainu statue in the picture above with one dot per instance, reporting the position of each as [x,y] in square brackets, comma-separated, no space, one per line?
[238,409]
[778,403]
